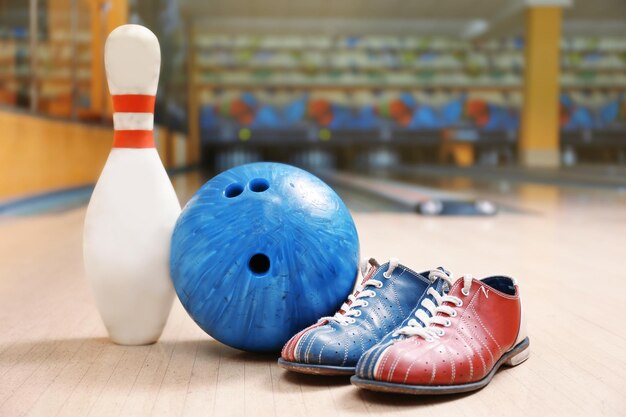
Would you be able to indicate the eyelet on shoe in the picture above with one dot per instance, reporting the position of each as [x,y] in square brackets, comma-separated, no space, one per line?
[454,314]
[448,323]
[379,285]
[430,339]
[357,315]
[459,304]
[464,292]
[365,304]
[386,276]
[441,333]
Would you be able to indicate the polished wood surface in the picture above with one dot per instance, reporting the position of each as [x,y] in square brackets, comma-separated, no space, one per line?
[566,248]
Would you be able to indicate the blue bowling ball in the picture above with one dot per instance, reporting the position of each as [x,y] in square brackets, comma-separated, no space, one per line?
[262,251]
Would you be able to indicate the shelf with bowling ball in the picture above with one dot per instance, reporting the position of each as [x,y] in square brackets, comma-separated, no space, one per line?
[405,120]
[63,68]
[352,65]
[258,92]
[396,62]
[581,44]
[354,87]
[422,78]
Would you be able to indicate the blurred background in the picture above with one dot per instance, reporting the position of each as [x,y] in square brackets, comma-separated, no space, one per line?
[482,88]
[513,109]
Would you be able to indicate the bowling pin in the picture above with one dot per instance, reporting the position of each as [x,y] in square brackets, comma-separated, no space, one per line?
[133,209]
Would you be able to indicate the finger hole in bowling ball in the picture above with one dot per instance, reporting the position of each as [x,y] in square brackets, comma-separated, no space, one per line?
[259,264]
[258,185]
[233,190]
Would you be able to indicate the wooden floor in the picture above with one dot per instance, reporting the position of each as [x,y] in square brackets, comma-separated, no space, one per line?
[567,250]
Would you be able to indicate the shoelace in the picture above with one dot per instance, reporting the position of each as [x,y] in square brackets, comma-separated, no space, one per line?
[349,310]
[427,331]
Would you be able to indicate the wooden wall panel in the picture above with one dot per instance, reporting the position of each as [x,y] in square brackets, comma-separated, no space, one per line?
[38,154]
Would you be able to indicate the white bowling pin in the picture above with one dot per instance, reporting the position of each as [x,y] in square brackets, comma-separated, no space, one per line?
[133,208]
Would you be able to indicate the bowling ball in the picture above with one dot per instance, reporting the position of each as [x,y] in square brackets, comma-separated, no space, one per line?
[478,111]
[262,251]
[400,112]
[321,111]
[241,111]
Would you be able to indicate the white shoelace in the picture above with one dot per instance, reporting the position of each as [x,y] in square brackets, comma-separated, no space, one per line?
[427,331]
[349,310]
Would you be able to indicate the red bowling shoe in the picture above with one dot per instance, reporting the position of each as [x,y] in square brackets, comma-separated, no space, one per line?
[455,341]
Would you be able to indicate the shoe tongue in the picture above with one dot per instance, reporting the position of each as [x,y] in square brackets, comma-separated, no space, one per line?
[373,269]
[438,285]
[441,286]
[374,266]
[444,270]
[445,286]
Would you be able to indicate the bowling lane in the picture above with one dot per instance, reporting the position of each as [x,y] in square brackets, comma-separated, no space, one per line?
[518,190]
[55,358]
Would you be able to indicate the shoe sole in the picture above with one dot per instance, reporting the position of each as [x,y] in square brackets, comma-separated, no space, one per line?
[305,368]
[513,357]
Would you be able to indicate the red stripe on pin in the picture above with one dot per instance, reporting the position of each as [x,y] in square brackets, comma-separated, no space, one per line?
[133,139]
[133,103]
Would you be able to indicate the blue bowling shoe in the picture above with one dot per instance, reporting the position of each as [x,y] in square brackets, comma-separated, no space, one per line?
[379,304]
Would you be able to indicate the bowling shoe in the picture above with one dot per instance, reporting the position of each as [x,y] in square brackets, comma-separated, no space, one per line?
[332,346]
[454,341]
